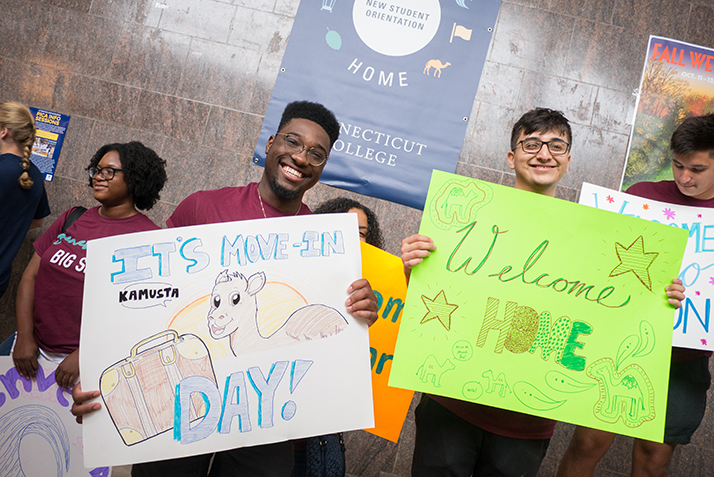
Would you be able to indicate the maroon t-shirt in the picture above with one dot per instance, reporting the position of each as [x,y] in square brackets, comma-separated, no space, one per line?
[60,278]
[229,204]
[667,191]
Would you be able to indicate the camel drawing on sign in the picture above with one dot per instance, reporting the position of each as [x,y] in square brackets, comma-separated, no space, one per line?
[628,394]
[458,204]
[493,383]
[431,370]
[234,314]
[437,65]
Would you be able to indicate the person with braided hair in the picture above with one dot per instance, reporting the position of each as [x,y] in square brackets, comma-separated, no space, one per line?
[22,191]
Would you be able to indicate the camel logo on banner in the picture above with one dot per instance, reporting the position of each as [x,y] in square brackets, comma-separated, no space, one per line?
[401,79]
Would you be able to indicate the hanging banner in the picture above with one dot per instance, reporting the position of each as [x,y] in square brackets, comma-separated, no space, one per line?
[219,336]
[385,273]
[677,82]
[401,78]
[38,433]
[692,320]
[51,129]
[541,306]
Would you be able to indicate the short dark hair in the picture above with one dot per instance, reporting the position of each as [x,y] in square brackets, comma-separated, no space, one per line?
[314,112]
[541,120]
[144,171]
[343,204]
[695,134]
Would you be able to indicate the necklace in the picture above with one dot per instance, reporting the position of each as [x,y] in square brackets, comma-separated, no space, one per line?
[265,216]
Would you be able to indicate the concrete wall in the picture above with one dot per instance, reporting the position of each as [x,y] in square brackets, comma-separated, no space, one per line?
[193,81]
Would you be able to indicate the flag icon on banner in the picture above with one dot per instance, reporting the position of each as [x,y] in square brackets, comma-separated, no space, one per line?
[460,31]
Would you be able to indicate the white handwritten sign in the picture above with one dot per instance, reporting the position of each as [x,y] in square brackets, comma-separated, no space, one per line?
[220,336]
[692,328]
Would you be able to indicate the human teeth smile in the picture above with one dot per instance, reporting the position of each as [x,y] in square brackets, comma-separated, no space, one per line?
[292,172]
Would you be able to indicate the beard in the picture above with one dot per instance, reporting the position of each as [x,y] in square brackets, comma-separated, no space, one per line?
[281,192]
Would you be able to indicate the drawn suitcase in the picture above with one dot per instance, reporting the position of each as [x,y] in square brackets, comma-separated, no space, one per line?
[139,391]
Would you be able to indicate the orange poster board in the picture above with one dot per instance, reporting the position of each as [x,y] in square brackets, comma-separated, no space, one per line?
[385,273]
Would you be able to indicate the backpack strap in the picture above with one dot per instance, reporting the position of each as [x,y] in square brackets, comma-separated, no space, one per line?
[72,217]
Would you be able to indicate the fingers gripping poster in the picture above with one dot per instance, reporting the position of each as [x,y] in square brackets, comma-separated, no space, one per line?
[38,434]
[692,327]
[541,306]
[221,336]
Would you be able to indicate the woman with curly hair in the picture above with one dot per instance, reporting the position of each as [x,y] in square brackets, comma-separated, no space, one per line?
[22,190]
[368,224]
[124,178]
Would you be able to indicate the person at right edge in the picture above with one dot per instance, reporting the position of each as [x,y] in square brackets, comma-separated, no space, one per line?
[460,438]
[692,146]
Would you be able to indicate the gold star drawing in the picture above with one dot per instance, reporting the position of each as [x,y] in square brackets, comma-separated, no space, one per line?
[634,259]
[438,309]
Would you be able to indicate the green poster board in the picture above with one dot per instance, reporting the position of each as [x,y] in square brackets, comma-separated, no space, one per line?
[541,306]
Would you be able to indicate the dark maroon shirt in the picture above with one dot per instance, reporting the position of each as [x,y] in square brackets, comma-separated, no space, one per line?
[229,204]
[60,279]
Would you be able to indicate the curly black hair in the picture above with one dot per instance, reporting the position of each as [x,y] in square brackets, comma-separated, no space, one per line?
[314,112]
[343,204]
[144,171]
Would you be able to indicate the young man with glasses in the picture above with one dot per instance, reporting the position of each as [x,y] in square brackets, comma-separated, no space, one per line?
[295,157]
[692,146]
[461,438]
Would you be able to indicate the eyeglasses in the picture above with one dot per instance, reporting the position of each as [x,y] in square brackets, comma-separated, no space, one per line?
[294,145]
[556,147]
[107,173]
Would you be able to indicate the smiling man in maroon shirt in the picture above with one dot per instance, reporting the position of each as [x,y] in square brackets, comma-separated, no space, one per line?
[295,158]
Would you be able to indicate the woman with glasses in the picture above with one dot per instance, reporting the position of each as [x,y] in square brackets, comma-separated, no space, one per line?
[124,178]
[22,190]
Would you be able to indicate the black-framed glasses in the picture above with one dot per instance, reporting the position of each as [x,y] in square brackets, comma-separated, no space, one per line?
[557,147]
[107,173]
[294,145]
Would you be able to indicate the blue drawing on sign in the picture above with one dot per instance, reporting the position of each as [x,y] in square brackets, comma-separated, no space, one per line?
[26,420]
[686,280]
[265,388]
[184,432]
[200,259]
[235,404]
[289,410]
[683,315]
[461,3]
[298,370]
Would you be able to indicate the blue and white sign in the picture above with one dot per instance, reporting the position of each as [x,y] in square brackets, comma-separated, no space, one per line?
[400,77]
[692,322]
